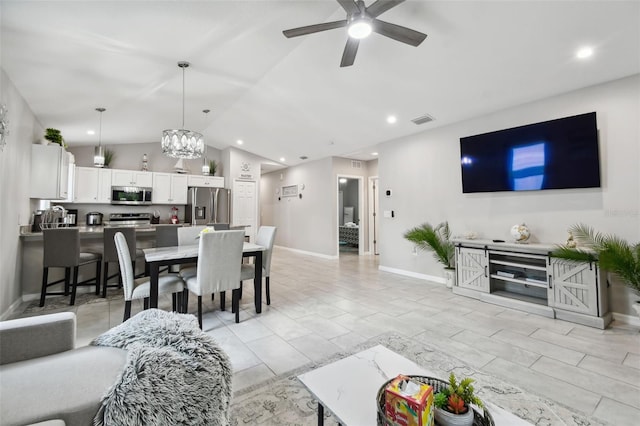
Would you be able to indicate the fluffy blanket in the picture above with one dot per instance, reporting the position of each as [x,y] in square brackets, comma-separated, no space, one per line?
[174,374]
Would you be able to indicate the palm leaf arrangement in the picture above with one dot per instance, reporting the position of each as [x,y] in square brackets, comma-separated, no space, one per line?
[614,253]
[436,239]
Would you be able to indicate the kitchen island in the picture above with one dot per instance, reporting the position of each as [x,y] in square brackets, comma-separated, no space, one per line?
[91,239]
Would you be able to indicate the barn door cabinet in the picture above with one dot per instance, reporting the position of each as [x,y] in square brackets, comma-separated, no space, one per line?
[525,277]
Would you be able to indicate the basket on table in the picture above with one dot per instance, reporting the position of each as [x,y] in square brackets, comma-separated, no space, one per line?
[480,419]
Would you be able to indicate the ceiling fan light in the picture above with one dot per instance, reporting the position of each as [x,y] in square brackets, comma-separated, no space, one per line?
[359,29]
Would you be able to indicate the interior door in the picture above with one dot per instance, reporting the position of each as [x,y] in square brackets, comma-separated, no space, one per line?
[373,215]
[245,206]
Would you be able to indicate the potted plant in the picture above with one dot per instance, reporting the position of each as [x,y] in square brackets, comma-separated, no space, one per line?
[438,240]
[613,253]
[452,403]
[108,157]
[212,168]
[54,136]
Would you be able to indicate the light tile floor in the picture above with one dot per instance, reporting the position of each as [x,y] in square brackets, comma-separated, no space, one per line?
[321,306]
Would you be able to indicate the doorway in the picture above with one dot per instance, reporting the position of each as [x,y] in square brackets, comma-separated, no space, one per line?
[245,206]
[350,214]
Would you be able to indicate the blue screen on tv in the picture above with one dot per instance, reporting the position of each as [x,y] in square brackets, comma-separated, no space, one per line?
[555,154]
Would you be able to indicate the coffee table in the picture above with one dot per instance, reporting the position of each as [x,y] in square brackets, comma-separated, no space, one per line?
[348,387]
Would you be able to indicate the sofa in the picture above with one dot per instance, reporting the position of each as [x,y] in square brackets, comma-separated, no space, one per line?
[43,377]
[156,368]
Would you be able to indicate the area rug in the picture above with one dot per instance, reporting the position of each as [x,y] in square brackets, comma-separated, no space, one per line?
[62,302]
[284,400]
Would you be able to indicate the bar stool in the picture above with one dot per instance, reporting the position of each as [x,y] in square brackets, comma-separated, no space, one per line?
[62,250]
[110,254]
[167,235]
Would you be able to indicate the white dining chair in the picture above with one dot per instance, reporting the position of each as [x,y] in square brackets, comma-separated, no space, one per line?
[188,236]
[141,288]
[218,270]
[266,237]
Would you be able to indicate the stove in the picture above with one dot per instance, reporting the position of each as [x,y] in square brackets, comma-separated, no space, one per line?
[137,220]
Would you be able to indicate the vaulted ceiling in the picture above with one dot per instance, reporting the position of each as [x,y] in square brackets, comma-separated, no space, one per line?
[289,97]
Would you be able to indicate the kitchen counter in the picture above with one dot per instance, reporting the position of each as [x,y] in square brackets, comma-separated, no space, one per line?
[85,232]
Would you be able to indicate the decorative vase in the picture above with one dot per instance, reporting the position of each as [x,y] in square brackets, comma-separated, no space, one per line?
[445,418]
[450,277]
[520,233]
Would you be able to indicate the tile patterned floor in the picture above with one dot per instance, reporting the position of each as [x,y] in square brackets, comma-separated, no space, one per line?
[320,306]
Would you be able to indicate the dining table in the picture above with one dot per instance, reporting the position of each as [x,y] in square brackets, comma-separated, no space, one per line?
[176,255]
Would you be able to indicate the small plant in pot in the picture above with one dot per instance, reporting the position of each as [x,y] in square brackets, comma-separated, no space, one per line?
[438,240]
[613,253]
[452,403]
[54,136]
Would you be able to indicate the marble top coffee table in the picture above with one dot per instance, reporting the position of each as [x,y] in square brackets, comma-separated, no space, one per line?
[348,387]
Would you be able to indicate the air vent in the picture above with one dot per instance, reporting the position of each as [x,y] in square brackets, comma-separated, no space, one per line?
[356,164]
[303,157]
[424,119]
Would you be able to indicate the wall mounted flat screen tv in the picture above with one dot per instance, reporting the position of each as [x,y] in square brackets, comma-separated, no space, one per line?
[554,154]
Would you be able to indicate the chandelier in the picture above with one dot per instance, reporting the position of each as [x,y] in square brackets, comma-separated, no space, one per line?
[182,143]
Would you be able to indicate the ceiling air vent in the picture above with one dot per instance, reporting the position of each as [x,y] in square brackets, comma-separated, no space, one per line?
[356,164]
[424,119]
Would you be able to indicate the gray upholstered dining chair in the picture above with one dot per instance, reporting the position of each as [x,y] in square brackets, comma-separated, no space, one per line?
[166,235]
[266,237]
[110,254]
[62,250]
[141,288]
[218,270]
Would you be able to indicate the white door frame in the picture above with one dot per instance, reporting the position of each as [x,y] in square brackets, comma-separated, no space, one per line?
[360,205]
[374,201]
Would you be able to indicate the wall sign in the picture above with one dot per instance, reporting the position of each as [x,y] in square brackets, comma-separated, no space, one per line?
[290,191]
[245,171]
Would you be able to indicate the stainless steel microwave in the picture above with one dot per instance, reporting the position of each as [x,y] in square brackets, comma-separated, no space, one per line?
[131,195]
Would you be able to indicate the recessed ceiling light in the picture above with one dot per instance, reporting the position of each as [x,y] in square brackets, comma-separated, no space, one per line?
[392,119]
[91,132]
[281,158]
[584,52]
[239,142]
[375,154]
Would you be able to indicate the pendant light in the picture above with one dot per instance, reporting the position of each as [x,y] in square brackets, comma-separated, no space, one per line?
[205,163]
[182,143]
[98,152]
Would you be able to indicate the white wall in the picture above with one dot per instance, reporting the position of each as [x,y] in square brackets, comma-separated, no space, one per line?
[129,157]
[15,207]
[307,223]
[424,172]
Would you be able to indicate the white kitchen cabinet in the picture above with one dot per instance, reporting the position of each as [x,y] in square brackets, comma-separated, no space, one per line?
[206,181]
[92,185]
[49,172]
[131,178]
[169,188]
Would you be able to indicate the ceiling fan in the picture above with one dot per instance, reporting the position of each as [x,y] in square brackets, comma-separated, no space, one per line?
[361,21]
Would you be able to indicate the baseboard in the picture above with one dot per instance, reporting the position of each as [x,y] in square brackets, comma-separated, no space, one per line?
[11,309]
[310,253]
[411,274]
[626,319]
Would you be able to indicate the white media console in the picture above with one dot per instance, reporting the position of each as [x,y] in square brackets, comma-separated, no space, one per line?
[526,277]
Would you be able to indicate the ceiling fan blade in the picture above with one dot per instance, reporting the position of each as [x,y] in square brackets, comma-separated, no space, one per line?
[381,6]
[349,6]
[310,29]
[398,33]
[349,54]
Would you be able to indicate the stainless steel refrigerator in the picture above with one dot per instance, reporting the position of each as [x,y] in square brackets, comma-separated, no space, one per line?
[208,205]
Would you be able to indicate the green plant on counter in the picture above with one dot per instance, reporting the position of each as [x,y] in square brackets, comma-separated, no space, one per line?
[212,168]
[614,254]
[54,136]
[437,239]
[108,157]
